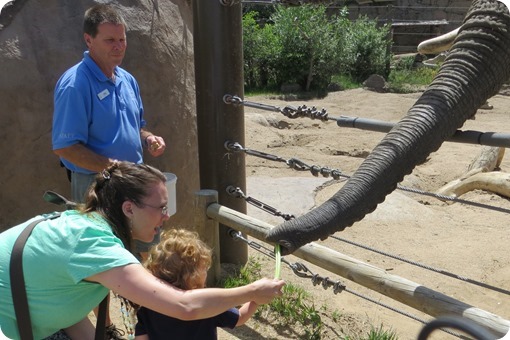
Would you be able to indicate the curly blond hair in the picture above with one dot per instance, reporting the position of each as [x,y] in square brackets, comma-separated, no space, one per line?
[178,257]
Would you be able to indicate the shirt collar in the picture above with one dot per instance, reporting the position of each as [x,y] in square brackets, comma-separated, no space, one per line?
[91,64]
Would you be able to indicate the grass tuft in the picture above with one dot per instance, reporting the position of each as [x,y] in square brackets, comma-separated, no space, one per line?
[294,314]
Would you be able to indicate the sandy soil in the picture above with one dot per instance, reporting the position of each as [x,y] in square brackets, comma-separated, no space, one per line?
[462,239]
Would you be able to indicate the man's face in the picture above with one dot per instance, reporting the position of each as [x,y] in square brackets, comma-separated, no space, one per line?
[108,47]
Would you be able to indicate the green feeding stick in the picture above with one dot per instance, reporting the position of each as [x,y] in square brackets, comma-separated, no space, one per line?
[278,258]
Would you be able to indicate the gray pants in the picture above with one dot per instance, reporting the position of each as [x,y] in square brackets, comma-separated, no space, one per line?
[80,184]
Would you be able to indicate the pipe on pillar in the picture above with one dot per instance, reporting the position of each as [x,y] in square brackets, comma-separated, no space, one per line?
[218,51]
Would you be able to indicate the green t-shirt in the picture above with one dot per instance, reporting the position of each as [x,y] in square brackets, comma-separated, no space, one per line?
[58,255]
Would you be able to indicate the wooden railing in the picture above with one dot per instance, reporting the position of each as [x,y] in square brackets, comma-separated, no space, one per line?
[209,214]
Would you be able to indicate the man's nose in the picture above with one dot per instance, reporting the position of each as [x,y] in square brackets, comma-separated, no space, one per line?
[118,45]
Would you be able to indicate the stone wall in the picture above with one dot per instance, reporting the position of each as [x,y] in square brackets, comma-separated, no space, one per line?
[413,21]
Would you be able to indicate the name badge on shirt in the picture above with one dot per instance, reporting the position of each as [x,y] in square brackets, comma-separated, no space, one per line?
[103,94]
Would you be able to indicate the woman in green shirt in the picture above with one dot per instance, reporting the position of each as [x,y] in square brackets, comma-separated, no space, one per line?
[73,261]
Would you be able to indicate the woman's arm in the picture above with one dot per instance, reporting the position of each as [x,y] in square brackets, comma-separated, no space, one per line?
[136,284]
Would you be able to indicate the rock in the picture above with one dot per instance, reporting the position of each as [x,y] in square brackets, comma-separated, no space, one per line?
[486,106]
[39,40]
[375,83]
[334,87]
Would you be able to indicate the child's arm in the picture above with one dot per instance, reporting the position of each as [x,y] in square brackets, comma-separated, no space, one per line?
[142,337]
[245,312]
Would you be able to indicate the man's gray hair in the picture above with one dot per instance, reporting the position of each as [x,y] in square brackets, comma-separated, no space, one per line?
[101,14]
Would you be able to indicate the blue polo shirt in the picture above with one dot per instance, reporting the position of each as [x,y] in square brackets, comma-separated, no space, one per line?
[104,116]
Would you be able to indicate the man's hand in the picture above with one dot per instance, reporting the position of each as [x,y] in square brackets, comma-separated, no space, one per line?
[155,145]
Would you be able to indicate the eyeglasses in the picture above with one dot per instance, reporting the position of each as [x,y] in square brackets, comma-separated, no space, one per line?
[164,209]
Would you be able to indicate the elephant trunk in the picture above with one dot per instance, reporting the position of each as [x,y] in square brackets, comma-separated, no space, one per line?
[475,70]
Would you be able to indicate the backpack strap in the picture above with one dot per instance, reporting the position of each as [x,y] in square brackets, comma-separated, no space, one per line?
[19,295]
[101,319]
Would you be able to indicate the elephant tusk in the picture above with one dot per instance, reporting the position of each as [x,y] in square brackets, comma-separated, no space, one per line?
[438,44]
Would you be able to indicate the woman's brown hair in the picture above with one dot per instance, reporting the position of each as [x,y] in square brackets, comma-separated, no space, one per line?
[121,181]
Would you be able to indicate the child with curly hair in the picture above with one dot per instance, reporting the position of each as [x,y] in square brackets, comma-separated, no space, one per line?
[182,260]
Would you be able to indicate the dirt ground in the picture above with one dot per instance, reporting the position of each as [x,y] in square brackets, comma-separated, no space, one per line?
[466,240]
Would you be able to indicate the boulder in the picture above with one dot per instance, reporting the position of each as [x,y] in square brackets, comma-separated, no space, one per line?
[39,40]
[375,83]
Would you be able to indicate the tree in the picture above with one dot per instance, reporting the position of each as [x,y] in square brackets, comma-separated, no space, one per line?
[366,49]
[260,48]
[309,46]
[305,46]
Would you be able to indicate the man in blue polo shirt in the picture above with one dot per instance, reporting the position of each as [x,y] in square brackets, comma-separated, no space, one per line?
[98,115]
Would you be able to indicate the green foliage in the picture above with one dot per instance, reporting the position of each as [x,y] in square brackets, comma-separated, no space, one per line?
[295,309]
[292,308]
[404,63]
[366,50]
[404,77]
[336,315]
[309,46]
[376,334]
[247,274]
[263,12]
[306,46]
[260,48]
[408,80]
[346,82]
[381,334]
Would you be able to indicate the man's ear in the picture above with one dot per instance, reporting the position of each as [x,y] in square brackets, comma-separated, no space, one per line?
[87,38]
[127,208]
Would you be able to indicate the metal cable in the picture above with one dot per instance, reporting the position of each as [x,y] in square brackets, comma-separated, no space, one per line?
[316,170]
[453,199]
[288,111]
[238,193]
[302,271]
[460,136]
[414,263]
[296,164]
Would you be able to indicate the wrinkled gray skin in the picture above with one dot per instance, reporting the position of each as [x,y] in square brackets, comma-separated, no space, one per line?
[477,65]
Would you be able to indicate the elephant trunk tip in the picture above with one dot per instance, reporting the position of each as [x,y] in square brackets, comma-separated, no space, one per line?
[287,247]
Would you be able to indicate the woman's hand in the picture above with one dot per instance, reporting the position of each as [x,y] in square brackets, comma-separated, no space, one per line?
[266,290]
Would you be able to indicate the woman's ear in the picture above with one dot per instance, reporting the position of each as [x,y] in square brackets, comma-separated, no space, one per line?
[127,208]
